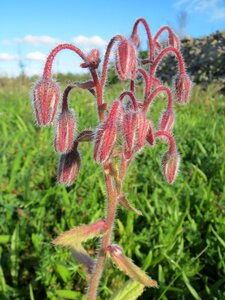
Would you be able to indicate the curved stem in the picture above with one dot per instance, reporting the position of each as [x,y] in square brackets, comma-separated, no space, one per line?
[111,213]
[150,40]
[163,53]
[132,97]
[65,97]
[106,58]
[99,94]
[164,28]
[169,137]
[48,65]
[154,94]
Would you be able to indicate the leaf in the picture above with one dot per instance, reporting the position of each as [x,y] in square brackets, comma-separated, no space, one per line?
[67,294]
[125,203]
[63,272]
[190,287]
[131,290]
[126,265]
[74,238]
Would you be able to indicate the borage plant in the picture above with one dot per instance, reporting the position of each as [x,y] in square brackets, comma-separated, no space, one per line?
[122,132]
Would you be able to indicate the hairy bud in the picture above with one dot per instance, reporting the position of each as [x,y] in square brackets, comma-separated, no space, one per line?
[69,167]
[150,135]
[92,60]
[126,59]
[46,97]
[106,135]
[167,120]
[65,129]
[129,128]
[143,125]
[183,88]
[170,165]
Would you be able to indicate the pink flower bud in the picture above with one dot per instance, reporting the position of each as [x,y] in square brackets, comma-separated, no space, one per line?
[126,59]
[106,135]
[129,128]
[143,125]
[167,120]
[150,135]
[46,97]
[69,167]
[183,88]
[64,133]
[170,165]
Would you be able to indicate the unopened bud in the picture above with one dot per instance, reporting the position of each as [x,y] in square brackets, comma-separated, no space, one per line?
[183,88]
[69,167]
[150,135]
[129,128]
[167,120]
[170,165]
[126,59]
[46,97]
[92,60]
[106,135]
[64,133]
[143,125]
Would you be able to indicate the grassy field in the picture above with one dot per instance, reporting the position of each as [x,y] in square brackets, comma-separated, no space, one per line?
[179,240]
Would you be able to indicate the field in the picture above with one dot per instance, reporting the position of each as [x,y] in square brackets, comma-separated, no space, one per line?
[179,240]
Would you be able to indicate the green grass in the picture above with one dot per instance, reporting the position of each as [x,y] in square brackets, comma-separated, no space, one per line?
[179,240]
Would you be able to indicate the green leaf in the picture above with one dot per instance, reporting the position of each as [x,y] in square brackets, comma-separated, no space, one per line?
[66,294]
[4,239]
[74,238]
[190,287]
[131,290]
[126,265]
[63,272]
[126,204]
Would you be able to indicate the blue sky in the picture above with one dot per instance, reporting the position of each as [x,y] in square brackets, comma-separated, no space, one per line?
[30,29]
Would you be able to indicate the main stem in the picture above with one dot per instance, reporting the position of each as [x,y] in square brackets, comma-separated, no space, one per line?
[110,217]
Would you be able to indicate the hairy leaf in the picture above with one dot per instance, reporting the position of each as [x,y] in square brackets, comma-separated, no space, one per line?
[130,290]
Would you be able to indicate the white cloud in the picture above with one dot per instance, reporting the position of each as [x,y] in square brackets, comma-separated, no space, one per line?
[38,56]
[8,57]
[33,40]
[216,8]
[94,41]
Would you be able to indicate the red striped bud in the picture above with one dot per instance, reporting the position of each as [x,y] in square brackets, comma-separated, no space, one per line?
[129,128]
[46,97]
[125,59]
[167,120]
[69,167]
[170,165]
[64,133]
[183,88]
[143,125]
[106,135]
[150,135]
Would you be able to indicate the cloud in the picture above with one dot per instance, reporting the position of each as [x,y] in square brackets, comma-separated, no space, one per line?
[8,57]
[216,8]
[37,56]
[94,41]
[33,40]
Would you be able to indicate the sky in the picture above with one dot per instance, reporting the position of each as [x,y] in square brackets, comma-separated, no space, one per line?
[30,29]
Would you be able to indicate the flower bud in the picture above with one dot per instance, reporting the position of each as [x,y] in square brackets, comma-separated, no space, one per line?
[170,165]
[129,128]
[183,88]
[46,97]
[65,129]
[167,120]
[150,135]
[92,60]
[143,125]
[69,167]
[106,135]
[125,59]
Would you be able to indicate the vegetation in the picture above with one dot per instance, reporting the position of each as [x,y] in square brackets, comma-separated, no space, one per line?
[179,240]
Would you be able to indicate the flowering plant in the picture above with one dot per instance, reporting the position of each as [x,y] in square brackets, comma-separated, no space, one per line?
[126,121]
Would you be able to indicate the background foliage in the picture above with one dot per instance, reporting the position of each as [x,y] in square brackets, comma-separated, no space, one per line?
[179,240]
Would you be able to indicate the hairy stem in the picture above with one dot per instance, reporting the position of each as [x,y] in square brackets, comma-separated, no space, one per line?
[110,217]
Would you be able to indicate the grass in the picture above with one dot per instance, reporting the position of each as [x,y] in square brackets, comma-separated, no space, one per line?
[179,240]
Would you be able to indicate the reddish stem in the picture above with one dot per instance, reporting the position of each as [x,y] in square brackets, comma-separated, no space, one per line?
[65,97]
[163,53]
[132,97]
[150,40]
[164,28]
[106,58]
[154,94]
[170,139]
[47,74]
